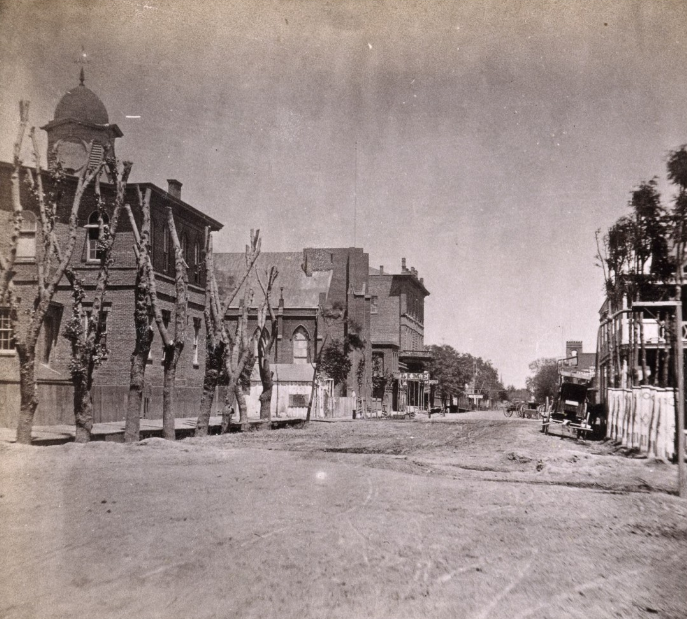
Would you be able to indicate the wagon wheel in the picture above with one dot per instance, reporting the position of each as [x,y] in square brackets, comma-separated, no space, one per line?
[508,412]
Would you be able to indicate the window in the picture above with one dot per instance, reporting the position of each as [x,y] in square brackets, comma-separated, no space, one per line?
[300,346]
[165,249]
[298,400]
[50,331]
[184,248]
[87,317]
[26,244]
[166,317]
[196,335]
[6,344]
[374,304]
[196,263]
[48,337]
[97,224]
[152,338]
[377,364]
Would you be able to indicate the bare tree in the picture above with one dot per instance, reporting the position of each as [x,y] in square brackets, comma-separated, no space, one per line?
[86,330]
[221,356]
[142,320]
[51,265]
[266,340]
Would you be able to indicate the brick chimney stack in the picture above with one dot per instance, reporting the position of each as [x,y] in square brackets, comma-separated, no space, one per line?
[174,188]
[403,265]
[381,269]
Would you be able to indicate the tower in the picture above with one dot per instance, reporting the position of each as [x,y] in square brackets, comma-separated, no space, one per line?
[80,118]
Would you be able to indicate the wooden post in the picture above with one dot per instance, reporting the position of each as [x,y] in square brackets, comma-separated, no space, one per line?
[680,407]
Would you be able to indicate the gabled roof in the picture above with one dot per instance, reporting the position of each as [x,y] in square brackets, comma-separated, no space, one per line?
[300,290]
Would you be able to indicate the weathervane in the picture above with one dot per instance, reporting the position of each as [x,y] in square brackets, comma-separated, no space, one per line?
[83,61]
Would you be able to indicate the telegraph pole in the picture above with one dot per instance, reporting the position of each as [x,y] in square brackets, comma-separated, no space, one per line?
[680,404]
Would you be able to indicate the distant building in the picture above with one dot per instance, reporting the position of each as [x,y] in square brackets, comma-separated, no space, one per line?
[312,286]
[575,356]
[397,327]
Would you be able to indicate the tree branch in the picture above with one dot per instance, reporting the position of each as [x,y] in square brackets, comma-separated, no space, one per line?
[252,253]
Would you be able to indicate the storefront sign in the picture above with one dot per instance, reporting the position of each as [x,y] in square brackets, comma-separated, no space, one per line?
[422,376]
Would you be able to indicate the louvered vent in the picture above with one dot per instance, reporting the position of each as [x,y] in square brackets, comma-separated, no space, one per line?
[96,155]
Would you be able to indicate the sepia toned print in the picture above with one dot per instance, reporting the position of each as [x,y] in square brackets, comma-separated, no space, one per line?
[353,308]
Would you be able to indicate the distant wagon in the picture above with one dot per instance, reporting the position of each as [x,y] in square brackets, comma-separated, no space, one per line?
[571,407]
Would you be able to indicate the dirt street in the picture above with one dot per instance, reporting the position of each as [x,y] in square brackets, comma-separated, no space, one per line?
[468,516]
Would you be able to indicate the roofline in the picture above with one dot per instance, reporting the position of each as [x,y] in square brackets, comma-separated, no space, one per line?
[409,274]
[61,121]
[213,223]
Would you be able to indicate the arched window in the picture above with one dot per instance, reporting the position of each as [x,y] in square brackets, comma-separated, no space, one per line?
[96,224]
[301,343]
[26,244]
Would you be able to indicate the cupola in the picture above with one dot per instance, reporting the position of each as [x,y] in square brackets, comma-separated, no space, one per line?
[80,119]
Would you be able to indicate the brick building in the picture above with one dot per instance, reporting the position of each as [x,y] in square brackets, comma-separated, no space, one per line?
[80,117]
[397,319]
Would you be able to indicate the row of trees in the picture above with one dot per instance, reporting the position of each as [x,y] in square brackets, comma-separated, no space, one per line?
[454,371]
[231,352]
[641,256]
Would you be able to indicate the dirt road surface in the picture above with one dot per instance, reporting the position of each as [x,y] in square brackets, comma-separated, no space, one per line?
[468,516]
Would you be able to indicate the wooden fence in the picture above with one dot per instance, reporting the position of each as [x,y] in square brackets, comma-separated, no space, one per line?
[643,418]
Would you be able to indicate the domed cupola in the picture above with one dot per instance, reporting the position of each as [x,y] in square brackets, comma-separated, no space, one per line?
[83,105]
[80,118]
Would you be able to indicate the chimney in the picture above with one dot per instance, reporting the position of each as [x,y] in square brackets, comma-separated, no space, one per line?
[174,188]
[381,269]
[403,265]
[422,281]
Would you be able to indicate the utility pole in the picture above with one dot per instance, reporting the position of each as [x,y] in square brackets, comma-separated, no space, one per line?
[680,404]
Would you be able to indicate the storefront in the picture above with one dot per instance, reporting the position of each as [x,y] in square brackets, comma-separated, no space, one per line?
[412,389]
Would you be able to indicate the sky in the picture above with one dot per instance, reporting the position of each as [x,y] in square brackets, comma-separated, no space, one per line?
[483,140]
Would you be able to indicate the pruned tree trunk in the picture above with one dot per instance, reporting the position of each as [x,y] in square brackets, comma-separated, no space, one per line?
[134,404]
[267,385]
[28,391]
[241,402]
[168,394]
[214,363]
[83,411]
[266,341]
[142,322]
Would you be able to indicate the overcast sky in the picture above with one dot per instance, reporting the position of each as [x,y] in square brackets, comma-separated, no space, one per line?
[492,138]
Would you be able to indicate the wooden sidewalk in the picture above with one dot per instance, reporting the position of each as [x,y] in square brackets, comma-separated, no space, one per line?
[114,431]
